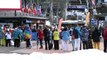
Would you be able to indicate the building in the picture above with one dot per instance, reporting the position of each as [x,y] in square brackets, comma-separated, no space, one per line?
[24,16]
[76,10]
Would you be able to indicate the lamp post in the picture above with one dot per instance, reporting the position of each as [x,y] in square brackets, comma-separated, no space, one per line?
[80,1]
[51,11]
[65,9]
[25,3]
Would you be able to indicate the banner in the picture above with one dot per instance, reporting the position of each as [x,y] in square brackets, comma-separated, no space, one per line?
[10,4]
[59,25]
[87,19]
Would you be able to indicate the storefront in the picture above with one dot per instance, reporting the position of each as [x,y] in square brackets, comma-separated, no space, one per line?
[18,21]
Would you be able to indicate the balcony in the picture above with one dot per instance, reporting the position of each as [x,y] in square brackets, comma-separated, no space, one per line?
[19,14]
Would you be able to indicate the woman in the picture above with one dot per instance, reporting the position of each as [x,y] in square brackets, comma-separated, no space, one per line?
[8,38]
[56,39]
[27,35]
[96,38]
[65,39]
[84,37]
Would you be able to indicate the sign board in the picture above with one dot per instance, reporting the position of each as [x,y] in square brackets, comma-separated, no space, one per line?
[94,22]
[48,23]
[28,21]
[105,18]
[76,7]
[10,4]
[105,0]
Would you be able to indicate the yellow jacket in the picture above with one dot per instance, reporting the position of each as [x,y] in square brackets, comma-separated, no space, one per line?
[56,35]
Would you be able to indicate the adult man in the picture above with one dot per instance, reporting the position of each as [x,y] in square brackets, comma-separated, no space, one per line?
[16,36]
[46,37]
[77,36]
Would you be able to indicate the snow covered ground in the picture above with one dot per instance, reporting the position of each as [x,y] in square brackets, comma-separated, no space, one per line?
[91,54]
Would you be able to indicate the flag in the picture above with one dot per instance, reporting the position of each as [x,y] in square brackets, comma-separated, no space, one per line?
[24,10]
[40,10]
[87,3]
[34,12]
[59,25]
[29,11]
[93,2]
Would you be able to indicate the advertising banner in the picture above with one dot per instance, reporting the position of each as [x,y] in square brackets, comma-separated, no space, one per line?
[10,4]
[59,25]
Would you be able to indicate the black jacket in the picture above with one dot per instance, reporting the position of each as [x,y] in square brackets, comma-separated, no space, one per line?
[96,35]
[46,34]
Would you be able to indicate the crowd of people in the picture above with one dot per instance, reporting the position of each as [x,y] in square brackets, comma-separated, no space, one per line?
[80,37]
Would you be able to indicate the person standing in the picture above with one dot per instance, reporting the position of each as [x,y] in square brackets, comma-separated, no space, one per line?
[62,28]
[46,37]
[16,37]
[77,37]
[105,39]
[8,38]
[40,37]
[96,38]
[72,39]
[56,39]
[65,39]
[2,36]
[27,36]
[84,37]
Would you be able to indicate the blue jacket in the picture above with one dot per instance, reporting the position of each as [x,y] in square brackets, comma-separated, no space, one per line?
[2,35]
[16,34]
[79,32]
[65,35]
[84,34]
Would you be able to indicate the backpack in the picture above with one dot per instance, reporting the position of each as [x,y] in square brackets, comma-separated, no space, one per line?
[75,33]
[84,33]
[27,34]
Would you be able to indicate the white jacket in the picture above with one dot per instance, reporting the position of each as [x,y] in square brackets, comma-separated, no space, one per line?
[8,35]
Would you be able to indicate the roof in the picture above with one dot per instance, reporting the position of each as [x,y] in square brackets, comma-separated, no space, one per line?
[18,15]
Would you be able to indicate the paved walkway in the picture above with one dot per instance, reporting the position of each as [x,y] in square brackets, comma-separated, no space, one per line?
[23,50]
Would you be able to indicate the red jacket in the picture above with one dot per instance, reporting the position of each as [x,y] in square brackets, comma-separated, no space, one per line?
[105,34]
[40,35]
